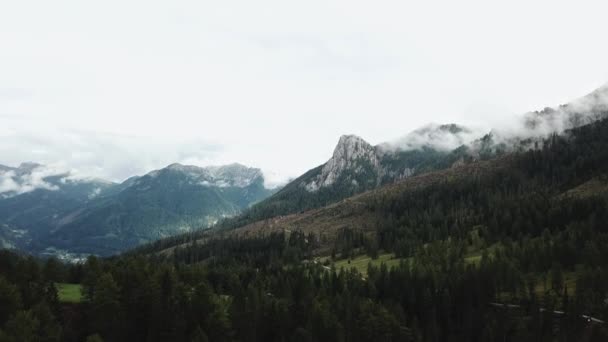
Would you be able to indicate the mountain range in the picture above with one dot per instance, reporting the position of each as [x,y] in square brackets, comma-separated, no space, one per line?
[556,163]
[48,212]
[356,166]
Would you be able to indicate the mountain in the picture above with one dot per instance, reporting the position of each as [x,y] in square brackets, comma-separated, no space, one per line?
[44,211]
[582,111]
[50,213]
[33,197]
[524,194]
[511,248]
[357,166]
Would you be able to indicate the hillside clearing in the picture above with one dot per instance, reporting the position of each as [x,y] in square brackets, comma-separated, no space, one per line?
[69,293]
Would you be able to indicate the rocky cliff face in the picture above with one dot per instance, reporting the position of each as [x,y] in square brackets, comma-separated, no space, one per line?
[353,155]
[233,175]
[236,175]
[358,164]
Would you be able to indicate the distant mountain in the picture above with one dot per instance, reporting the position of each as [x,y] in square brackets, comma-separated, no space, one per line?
[524,194]
[34,197]
[579,112]
[356,166]
[45,211]
[52,213]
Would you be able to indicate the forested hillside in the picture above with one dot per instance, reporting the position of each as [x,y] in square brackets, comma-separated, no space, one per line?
[510,249]
[356,166]
[509,193]
[303,171]
[55,214]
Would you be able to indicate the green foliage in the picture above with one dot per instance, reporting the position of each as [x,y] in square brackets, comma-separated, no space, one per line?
[105,306]
[94,338]
[10,300]
[446,254]
[123,216]
[363,176]
[69,293]
[23,327]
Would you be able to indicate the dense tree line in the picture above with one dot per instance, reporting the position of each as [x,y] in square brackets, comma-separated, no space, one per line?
[541,248]
[250,292]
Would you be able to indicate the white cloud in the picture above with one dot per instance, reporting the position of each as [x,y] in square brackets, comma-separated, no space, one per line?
[438,137]
[94,154]
[14,183]
[116,88]
[7,183]
[540,124]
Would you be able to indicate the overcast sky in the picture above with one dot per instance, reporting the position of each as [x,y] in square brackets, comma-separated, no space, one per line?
[116,88]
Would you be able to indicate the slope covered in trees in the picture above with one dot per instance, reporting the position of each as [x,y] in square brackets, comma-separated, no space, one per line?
[73,217]
[518,194]
[509,249]
[355,167]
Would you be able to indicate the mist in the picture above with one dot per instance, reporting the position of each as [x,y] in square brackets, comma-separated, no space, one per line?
[29,177]
[440,137]
[509,132]
[538,125]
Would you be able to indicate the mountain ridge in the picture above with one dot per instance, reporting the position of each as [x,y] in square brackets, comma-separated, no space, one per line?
[92,216]
[526,174]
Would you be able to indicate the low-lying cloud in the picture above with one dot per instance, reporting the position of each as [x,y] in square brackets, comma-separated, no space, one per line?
[529,126]
[540,124]
[28,178]
[76,154]
[89,154]
[437,137]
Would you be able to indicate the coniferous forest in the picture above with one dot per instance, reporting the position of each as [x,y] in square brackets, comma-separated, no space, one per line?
[518,253]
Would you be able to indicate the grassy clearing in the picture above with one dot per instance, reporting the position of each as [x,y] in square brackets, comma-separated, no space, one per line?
[69,293]
[474,256]
[544,285]
[361,262]
[474,259]
[542,288]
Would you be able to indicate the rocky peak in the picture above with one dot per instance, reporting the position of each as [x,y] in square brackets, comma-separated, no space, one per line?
[184,168]
[29,166]
[348,155]
[352,147]
[4,168]
[234,175]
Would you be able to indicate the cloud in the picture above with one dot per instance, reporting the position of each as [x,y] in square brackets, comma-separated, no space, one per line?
[7,183]
[540,124]
[273,180]
[28,178]
[90,154]
[531,126]
[83,155]
[273,83]
[444,137]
